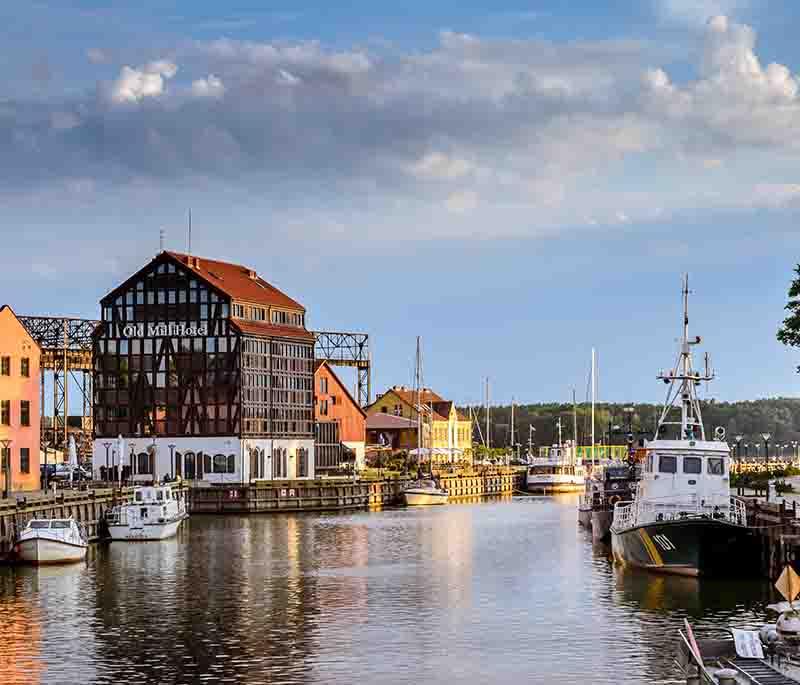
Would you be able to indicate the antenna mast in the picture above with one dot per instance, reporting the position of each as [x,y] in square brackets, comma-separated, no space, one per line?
[161,240]
[683,380]
[190,231]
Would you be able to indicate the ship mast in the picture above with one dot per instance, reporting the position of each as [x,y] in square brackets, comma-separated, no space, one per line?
[683,380]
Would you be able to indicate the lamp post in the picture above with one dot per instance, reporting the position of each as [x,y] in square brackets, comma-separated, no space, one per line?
[172,460]
[794,449]
[766,437]
[6,445]
[531,431]
[738,438]
[107,445]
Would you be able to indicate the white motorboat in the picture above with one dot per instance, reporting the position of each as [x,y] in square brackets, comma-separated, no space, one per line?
[155,513]
[424,492]
[558,471]
[52,541]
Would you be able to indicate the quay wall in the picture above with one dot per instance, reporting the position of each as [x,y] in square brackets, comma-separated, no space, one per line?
[86,506]
[336,495]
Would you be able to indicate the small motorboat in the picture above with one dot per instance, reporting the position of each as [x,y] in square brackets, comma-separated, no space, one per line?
[52,541]
[424,492]
[155,513]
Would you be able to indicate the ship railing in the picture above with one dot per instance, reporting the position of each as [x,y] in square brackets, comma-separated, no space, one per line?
[630,514]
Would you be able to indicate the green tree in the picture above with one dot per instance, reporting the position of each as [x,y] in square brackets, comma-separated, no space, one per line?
[789,332]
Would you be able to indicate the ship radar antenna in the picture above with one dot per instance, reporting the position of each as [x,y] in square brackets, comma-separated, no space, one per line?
[683,381]
[161,240]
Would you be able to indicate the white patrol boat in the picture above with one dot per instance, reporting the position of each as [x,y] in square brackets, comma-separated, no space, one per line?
[682,518]
[52,541]
[155,513]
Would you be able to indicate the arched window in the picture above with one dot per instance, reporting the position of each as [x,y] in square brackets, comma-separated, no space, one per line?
[231,463]
[220,463]
[302,462]
[178,463]
[207,463]
[280,465]
[190,467]
[143,463]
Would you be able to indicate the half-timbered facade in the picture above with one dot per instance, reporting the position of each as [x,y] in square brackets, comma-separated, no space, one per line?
[206,368]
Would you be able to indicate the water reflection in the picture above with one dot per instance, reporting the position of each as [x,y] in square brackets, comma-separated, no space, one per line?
[483,592]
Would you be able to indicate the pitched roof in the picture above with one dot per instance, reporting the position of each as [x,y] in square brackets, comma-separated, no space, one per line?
[271,330]
[441,408]
[21,325]
[236,281]
[319,363]
[381,421]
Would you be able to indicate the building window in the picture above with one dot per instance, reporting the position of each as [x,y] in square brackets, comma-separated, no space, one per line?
[398,410]
[24,412]
[25,367]
[5,412]
[280,463]
[302,462]
[323,407]
[5,366]
[5,455]
[24,460]
[220,463]
[238,311]
[323,385]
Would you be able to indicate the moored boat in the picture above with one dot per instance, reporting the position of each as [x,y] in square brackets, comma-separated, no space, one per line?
[424,492]
[682,518]
[606,485]
[52,541]
[557,472]
[156,513]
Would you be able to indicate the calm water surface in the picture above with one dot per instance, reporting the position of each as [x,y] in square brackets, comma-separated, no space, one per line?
[490,592]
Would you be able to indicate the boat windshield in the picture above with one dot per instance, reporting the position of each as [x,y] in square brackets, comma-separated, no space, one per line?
[59,524]
[618,472]
[40,524]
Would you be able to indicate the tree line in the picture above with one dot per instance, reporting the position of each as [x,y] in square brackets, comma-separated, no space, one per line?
[780,417]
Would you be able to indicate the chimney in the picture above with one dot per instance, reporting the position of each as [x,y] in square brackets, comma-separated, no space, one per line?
[193,262]
[252,274]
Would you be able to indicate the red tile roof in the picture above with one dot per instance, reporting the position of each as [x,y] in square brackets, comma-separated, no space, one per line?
[271,330]
[235,281]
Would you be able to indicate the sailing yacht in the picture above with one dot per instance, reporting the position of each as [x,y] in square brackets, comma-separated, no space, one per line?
[683,519]
[424,491]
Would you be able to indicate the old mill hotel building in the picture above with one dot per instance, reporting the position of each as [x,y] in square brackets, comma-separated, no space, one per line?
[206,371]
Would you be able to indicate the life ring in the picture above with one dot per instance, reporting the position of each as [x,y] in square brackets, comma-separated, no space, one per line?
[614,499]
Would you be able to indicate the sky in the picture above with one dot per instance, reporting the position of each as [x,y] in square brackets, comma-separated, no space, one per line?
[514,182]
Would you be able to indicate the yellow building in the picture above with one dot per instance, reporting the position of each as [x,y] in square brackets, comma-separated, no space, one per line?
[446,432]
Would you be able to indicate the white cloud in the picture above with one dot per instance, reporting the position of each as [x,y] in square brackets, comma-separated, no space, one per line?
[96,56]
[133,85]
[462,202]
[440,166]
[696,13]
[287,78]
[63,121]
[211,86]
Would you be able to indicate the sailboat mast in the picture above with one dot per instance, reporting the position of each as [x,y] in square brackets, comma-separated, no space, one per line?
[488,440]
[574,429]
[419,404]
[512,424]
[593,400]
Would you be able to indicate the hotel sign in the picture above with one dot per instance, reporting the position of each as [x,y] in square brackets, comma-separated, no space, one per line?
[155,330]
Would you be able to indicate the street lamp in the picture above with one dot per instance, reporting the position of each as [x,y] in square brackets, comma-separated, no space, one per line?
[738,438]
[172,460]
[794,449]
[6,445]
[107,445]
[766,437]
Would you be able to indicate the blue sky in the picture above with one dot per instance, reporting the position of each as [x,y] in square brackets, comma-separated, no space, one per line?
[515,182]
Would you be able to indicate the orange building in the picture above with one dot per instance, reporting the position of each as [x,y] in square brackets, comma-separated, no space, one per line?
[19,403]
[340,420]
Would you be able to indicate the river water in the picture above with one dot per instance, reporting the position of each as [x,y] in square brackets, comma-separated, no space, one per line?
[486,592]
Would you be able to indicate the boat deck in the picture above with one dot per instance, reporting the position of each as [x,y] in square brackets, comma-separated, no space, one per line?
[761,672]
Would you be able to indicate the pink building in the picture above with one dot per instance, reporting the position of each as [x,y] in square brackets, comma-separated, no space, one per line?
[19,404]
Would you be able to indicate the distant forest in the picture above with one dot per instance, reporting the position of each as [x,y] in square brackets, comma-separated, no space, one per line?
[780,417]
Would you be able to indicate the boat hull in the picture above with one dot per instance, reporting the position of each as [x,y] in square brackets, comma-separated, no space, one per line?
[692,547]
[414,498]
[549,487]
[148,531]
[585,517]
[45,551]
[601,525]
